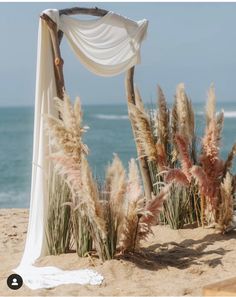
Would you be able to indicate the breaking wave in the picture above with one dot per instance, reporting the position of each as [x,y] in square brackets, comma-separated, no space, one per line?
[227,114]
[111,117]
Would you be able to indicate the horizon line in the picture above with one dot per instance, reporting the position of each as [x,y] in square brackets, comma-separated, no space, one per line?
[113,104]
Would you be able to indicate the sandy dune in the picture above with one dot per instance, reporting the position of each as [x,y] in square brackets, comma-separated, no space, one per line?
[170,263]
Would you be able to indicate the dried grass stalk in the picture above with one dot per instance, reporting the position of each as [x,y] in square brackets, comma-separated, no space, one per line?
[162,119]
[229,161]
[210,160]
[143,132]
[182,122]
[133,206]
[69,150]
[58,227]
[199,174]
[174,131]
[90,204]
[138,100]
[185,159]
[177,176]
[226,205]
[162,156]
[115,187]
[211,105]
[151,213]
[184,113]
[219,125]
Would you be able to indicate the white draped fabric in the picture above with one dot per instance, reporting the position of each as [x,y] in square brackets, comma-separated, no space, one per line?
[106,46]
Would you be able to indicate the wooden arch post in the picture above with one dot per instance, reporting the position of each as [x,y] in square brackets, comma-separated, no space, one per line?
[56,37]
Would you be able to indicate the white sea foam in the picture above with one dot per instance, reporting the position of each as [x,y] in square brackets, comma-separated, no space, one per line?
[111,117]
[227,114]
[230,114]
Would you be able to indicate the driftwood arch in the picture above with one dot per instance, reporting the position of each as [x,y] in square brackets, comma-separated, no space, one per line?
[56,37]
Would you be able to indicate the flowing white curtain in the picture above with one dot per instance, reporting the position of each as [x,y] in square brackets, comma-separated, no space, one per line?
[106,46]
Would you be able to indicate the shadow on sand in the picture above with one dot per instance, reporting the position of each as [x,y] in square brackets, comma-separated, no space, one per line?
[180,255]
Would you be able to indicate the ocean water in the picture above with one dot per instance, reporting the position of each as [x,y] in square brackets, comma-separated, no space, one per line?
[109,133]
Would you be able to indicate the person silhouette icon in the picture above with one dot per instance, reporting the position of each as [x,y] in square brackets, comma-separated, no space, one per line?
[14,281]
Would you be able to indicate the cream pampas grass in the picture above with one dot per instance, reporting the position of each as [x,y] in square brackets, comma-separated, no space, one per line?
[170,145]
[184,113]
[67,152]
[103,219]
[90,204]
[226,206]
[210,105]
[162,119]
[134,204]
[174,130]
[138,100]
[229,161]
[116,216]
[143,132]
[183,122]
[115,188]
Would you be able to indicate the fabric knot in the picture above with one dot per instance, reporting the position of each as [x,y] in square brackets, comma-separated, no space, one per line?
[53,14]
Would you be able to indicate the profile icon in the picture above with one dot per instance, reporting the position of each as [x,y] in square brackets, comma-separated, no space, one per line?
[14,281]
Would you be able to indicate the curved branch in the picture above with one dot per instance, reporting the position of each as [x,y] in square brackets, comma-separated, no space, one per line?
[83,10]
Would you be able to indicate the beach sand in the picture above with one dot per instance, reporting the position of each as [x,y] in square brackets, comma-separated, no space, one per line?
[171,262]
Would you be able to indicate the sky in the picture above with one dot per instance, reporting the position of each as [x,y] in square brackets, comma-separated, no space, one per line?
[192,43]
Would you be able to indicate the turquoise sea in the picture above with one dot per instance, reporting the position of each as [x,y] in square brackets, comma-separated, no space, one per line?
[109,133]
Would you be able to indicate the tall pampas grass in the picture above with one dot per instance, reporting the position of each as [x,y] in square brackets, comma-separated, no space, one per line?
[162,119]
[210,160]
[105,219]
[143,132]
[174,130]
[93,211]
[184,112]
[68,150]
[210,105]
[138,100]
[115,188]
[183,122]
[210,173]
[134,202]
[177,176]
[226,206]
[199,174]
[196,176]
[151,212]
[184,156]
[229,161]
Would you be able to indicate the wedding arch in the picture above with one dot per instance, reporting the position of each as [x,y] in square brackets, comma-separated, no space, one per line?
[107,46]
[56,38]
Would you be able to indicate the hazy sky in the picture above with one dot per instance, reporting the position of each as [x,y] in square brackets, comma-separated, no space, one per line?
[194,43]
